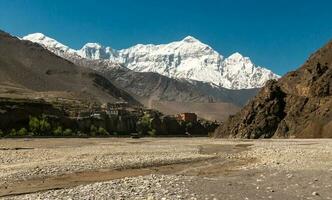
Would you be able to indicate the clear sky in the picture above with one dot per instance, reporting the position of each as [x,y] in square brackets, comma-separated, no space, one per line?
[277,34]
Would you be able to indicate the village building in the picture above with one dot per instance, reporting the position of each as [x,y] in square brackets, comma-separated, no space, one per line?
[187,117]
[118,108]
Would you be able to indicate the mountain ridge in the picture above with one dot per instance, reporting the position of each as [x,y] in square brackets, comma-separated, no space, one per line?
[186,59]
[28,70]
[160,92]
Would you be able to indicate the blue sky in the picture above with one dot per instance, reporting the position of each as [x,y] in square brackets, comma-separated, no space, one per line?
[277,34]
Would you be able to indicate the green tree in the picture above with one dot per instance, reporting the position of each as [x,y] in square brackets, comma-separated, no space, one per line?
[45,126]
[39,126]
[34,125]
[144,124]
[102,132]
[1,133]
[22,132]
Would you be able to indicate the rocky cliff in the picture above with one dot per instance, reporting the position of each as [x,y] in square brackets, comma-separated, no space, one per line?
[299,105]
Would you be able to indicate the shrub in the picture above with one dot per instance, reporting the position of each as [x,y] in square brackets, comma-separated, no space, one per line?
[13,133]
[93,131]
[58,131]
[67,132]
[189,125]
[152,133]
[22,132]
[102,132]
[1,134]
[81,134]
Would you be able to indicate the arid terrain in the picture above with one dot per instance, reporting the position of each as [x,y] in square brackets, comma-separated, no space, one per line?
[165,168]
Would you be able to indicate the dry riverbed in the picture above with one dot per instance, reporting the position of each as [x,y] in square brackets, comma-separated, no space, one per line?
[165,168]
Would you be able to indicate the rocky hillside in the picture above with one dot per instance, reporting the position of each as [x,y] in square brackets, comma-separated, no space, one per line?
[299,105]
[27,70]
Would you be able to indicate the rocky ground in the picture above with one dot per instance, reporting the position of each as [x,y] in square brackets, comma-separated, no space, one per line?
[167,168]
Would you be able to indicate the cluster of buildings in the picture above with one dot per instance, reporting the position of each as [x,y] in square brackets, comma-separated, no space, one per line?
[124,109]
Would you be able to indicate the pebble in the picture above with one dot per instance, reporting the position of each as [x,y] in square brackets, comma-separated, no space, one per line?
[288,156]
[315,193]
[127,188]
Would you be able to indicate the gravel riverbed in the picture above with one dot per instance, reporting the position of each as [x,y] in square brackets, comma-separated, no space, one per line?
[175,168]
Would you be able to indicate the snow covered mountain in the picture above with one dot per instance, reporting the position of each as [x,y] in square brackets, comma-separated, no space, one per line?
[187,59]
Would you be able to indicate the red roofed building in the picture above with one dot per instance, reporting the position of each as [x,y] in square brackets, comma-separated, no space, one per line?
[187,117]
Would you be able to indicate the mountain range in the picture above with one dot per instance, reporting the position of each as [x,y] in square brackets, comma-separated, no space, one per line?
[295,105]
[187,59]
[183,76]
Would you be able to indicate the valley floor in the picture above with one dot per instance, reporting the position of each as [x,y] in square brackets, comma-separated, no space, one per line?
[165,168]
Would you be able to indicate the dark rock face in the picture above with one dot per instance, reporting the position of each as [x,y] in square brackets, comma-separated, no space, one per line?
[259,118]
[296,106]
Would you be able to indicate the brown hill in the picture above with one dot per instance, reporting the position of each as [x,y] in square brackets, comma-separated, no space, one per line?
[27,70]
[298,105]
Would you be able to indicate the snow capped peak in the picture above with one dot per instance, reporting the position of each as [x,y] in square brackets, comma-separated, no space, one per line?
[93,45]
[236,56]
[186,59]
[95,51]
[47,42]
[36,36]
[190,39]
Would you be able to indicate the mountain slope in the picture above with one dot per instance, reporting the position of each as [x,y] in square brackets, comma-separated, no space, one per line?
[186,59]
[298,105]
[28,68]
[172,96]
[156,91]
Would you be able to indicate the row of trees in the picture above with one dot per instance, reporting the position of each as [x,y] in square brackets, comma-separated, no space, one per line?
[149,124]
[41,127]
